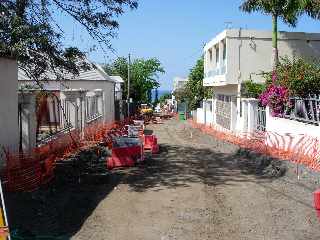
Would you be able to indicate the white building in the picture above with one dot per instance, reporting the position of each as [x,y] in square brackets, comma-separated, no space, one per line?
[8,106]
[237,55]
[118,87]
[179,83]
[120,104]
[90,80]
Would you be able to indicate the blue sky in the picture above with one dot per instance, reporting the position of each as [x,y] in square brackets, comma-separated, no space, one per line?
[174,31]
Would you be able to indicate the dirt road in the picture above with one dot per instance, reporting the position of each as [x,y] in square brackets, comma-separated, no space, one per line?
[197,188]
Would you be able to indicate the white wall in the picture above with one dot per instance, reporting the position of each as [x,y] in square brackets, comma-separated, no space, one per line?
[200,115]
[246,122]
[291,135]
[256,52]
[209,118]
[204,118]
[8,104]
[108,88]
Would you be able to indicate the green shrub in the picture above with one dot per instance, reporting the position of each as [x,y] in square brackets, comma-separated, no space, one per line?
[250,89]
[299,76]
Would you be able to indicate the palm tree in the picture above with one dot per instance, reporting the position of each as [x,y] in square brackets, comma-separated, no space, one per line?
[287,10]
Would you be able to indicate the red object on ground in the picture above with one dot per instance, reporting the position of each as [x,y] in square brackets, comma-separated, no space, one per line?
[151,143]
[316,195]
[148,141]
[317,200]
[125,157]
[155,149]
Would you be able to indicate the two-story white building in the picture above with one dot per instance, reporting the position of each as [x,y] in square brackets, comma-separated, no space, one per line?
[178,84]
[237,55]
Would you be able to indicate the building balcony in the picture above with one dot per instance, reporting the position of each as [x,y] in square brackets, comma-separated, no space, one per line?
[216,77]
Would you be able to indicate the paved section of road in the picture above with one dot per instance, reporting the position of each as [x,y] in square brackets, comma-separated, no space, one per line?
[195,189]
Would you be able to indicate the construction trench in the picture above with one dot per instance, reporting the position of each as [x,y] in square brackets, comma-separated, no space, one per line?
[196,187]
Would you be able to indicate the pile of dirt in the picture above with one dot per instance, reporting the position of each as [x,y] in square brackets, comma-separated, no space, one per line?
[259,164]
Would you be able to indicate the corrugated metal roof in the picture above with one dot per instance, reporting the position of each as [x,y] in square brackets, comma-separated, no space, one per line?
[96,73]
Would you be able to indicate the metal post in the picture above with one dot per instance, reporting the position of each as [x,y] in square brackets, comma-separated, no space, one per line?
[4,210]
[128,93]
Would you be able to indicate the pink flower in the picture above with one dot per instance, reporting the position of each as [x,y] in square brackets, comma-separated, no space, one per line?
[276,97]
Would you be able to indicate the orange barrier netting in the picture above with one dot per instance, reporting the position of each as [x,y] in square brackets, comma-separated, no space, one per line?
[27,172]
[306,149]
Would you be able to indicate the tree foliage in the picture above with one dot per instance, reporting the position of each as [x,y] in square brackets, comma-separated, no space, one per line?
[164,97]
[299,76]
[30,32]
[194,91]
[250,89]
[144,75]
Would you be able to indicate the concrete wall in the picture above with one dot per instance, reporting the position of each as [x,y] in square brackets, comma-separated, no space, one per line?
[249,52]
[291,135]
[246,120]
[200,115]
[107,86]
[8,104]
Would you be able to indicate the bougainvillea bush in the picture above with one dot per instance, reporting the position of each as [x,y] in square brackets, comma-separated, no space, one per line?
[300,76]
[276,97]
[295,77]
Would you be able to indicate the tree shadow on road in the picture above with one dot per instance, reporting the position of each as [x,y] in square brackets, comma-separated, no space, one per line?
[180,166]
[60,209]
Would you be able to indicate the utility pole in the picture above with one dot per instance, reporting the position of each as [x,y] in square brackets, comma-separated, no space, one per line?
[128,90]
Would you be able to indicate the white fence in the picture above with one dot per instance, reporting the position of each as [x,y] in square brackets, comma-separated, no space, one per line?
[205,114]
[280,133]
[74,109]
[304,109]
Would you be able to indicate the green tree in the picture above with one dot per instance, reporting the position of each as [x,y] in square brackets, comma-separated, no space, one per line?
[164,97]
[156,97]
[30,32]
[194,91]
[143,78]
[287,10]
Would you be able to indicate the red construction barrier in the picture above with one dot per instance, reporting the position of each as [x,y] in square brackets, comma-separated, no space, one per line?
[148,141]
[317,199]
[125,156]
[317,202]
[151,143]
[28,172]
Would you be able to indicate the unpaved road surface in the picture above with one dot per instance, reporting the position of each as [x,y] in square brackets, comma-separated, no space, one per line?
[195,189]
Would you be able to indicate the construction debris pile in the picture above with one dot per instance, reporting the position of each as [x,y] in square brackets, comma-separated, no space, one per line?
[100,148]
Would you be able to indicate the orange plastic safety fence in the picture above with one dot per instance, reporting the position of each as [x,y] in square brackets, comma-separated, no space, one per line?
[305,150]
[27,172]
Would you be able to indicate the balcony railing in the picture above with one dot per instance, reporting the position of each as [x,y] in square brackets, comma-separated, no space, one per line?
[221,70]
[304,109]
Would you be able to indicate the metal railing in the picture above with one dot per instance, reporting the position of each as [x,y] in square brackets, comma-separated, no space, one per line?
[304,109]
[261,119]
[92,109]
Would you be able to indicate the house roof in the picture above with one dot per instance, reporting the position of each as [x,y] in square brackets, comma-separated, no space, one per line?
[260,34]
[117,79]
[96,73]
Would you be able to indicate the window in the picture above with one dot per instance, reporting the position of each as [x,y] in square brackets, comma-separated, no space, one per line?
[210,54]
[92,107]
[217,53]
[224,98]
[224,44]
